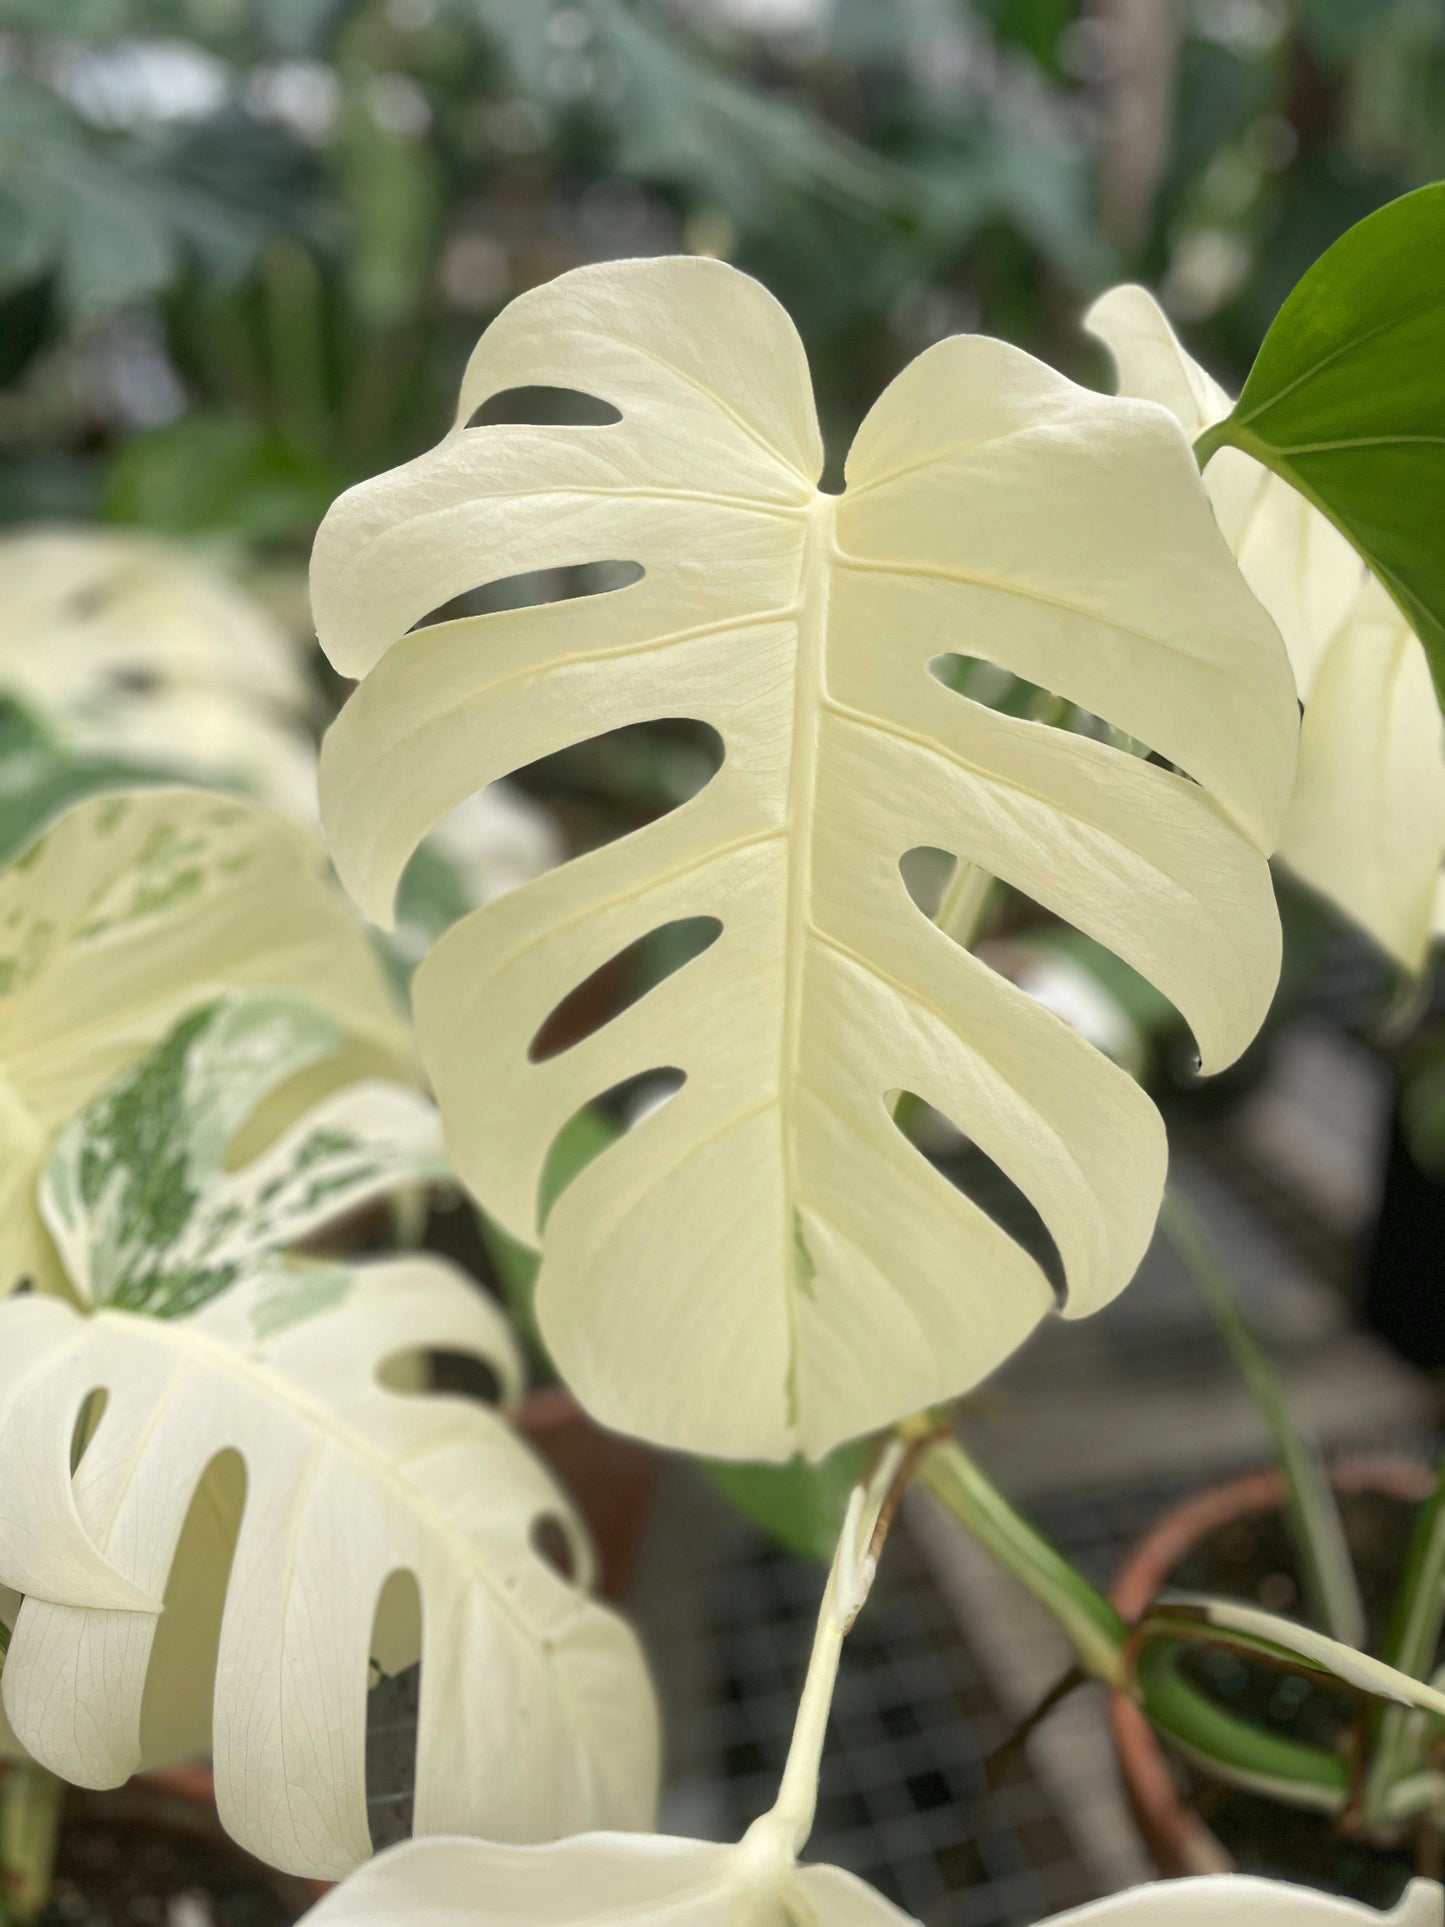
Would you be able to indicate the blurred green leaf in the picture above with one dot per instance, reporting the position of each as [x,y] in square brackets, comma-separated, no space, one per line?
[219,472]
[393,187]
[798,1504]
[1345,401]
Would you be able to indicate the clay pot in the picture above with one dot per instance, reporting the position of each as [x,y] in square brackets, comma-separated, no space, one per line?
[1178,1841]
[610,1479]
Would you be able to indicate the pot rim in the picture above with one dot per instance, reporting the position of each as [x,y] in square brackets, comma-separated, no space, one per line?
[1175,1835]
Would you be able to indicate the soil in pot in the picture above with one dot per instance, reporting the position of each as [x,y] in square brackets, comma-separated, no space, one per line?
[109,1874]
[1252,1558]
[152,1854]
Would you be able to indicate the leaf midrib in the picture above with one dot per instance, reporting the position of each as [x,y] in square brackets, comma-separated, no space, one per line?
[814,585]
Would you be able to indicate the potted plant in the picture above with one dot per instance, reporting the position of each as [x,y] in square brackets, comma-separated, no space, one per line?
[227,1492]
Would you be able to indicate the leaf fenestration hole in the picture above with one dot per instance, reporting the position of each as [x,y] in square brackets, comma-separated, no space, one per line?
[542,406]
[608,785]
[531,588]
[188,1632]
[465,1375]
[597,1125]
[551,1542]
[974,1173]
[926,872]
[87,1419]
[621,982]
[982,681]
[392,1709]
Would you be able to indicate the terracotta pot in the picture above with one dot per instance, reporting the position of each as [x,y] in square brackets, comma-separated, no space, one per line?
[610,1479]
[182,1800]
[1178,1840]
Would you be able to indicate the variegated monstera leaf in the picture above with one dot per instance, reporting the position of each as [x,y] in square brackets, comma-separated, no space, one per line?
[227,1562]
[1366,823]
[131,910]
[766,1263]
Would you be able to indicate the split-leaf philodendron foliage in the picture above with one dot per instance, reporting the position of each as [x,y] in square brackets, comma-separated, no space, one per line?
[245,1405]
[131,910]
[1366,822]
[766,1263]
[1345,401]
[654,1881]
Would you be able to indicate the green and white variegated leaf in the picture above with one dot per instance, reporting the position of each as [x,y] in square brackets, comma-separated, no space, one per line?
[767,1264]
[1277,1638]
[137,1195]
[1366,823]
[537,1717]
[660,1882]
[131,910]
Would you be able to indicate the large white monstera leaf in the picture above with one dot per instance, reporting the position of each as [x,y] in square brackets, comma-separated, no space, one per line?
[131,646]
[766,1264]
[131,910]
[1366,823]
[659,1882]
[251,1490]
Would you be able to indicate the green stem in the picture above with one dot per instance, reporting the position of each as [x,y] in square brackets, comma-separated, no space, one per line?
[1332,1593]
[965,902]
[1411,1643]
[1211,441]
[1094,1629]
[31,1805]
[1230,1748]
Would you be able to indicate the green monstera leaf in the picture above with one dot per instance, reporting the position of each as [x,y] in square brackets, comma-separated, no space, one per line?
[766,1264]
[1345,401]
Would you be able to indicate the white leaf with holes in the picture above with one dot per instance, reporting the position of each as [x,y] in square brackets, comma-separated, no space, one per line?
[664,1882]
[537,1716]
[765,1263]
[1366,823]
[133,909]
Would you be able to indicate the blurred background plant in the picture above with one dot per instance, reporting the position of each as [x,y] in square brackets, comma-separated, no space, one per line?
[245,245]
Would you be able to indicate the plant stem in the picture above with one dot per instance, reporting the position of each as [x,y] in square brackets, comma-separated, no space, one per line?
[1210,440]
[871,1509]
[1094,1629]
[1411,1643]
[1230,1748]
[31,1804]
[965,902]
[1332,1593]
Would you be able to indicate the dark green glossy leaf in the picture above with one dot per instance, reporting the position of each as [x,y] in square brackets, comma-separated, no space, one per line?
[1346,401]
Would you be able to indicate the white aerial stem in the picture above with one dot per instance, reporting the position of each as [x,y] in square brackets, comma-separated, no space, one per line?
[783,1831]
